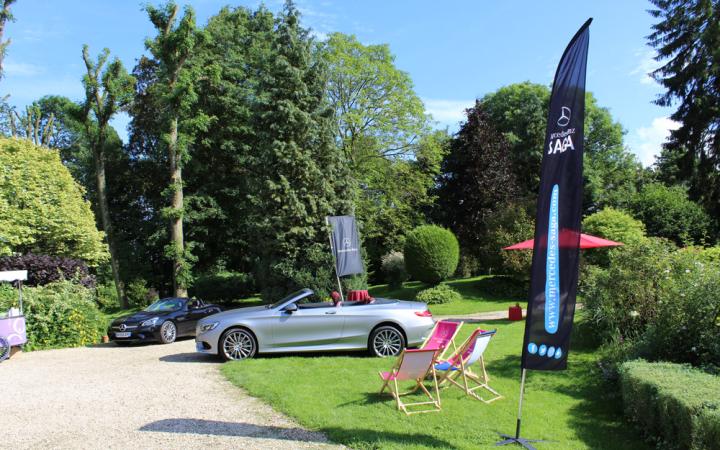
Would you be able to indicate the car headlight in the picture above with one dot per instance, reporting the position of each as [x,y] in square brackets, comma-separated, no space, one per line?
[150,322]
[204,328]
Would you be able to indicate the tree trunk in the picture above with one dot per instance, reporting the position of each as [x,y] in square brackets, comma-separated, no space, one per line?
[176,221]
[106,222]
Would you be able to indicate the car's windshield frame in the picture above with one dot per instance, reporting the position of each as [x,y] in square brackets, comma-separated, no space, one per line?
[149,308]
[295,295]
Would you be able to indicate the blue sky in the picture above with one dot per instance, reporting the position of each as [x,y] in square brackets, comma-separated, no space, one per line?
[454,51]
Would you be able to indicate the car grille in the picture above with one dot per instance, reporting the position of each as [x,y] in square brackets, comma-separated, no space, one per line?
[127,327]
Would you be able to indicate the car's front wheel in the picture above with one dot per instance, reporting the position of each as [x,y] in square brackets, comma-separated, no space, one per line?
[237,344]
[386,340]
[168,332]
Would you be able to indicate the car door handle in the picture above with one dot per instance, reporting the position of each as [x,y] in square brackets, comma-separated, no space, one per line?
[330,312]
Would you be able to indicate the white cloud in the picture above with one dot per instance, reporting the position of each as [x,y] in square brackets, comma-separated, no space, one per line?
[22,69]
[646,64]
[447,112]
[646,142]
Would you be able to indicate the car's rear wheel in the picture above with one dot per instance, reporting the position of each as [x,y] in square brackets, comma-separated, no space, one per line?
[168,332]
[237,344]
[386,340]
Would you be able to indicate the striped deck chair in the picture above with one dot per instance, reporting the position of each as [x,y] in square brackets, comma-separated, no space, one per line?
[442,337]
[457,369]
[413,365]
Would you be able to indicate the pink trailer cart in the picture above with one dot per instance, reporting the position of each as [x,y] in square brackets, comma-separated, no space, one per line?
[12,325]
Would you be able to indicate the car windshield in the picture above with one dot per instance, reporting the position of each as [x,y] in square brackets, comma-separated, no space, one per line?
[285,299]
[165,305]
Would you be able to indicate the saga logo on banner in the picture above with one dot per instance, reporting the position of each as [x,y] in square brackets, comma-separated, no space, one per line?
[562,141]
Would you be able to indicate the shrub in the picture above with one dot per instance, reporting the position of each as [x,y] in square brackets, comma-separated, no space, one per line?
[622,299]
[509,226]
[393,266]
[138,293]
[687,327]
[431,253]
[468,266]
[223,286]
[441,293]
[355,282]
[615,225]
[656,303]
[107,296]
[44,269]
[42,208]
[668,212]
[675,404]
[60,314]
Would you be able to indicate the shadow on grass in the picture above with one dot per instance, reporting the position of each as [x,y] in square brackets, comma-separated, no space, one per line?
[337,434]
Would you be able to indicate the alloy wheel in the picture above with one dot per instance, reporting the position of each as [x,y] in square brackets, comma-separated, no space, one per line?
[238,344]
[388,342]
[168,332]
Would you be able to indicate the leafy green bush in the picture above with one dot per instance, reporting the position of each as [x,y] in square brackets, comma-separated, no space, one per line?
[223,286]
[657,303]
[441,293]
[393,266]
[107,296]
[668,212]
[509,226]
[687,325]
[431,253]
[138,293]
[60,314]
[615,225]
[621,299]
[676,405]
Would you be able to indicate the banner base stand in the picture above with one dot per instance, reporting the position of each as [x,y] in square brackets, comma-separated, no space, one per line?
[526,443]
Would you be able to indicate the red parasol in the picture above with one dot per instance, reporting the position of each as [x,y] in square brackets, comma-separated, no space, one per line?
[586,241]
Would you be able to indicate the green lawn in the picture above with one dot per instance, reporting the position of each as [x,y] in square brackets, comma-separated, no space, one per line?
[337,395]
[480,294]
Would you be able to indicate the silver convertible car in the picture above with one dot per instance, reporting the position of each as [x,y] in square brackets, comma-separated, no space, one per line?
[302,322]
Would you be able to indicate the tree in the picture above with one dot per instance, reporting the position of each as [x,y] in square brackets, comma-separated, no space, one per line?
[298,175]
[372,99]
[615,225]
[668,212]
[175,91]
[107,90]
[5,16]
[476,180]
[42,209]
[520,110]
[686,38]
[382,130]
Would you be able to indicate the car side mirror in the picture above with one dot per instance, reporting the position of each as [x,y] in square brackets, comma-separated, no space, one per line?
[291,308]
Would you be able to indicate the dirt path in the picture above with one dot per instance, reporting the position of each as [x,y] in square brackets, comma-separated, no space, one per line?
[149,396]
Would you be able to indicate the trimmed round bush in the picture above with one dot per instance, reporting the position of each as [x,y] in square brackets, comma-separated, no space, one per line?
[393,266]
[431,254]
[437,295]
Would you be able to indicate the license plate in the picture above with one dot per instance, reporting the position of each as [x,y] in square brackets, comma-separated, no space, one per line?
[123,334]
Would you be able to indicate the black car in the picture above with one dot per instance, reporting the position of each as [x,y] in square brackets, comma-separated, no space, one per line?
[163,321]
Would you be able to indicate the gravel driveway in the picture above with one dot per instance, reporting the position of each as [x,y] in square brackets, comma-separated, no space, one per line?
[148,396]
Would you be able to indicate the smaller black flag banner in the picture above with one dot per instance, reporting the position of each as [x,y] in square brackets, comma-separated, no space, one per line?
[345,245]
[554,273]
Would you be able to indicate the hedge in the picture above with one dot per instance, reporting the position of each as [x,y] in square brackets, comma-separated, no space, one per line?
[44,269]
[674,404]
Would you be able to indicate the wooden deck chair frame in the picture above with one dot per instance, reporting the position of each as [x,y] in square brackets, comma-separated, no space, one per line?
[464,377]
[391,383]
[452,339]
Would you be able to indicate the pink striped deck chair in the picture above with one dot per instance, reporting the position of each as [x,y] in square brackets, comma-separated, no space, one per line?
[442,337]
[459,364]
[415,366]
